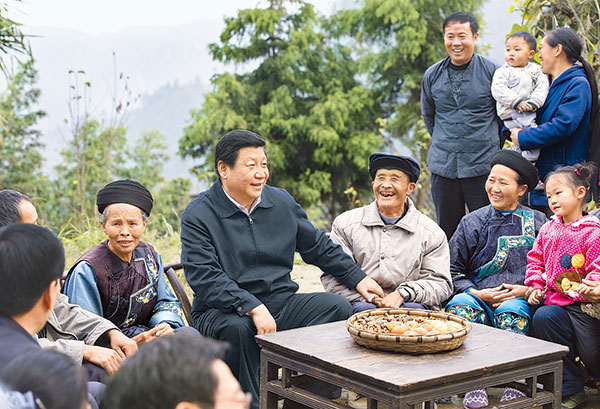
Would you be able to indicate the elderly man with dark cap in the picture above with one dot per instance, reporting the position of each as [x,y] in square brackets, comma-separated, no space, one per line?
[395,244]
[122,278]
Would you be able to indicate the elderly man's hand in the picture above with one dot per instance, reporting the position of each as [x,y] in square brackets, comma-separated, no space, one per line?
[123,345]
[106,358]
[590,291]
[392,300]
[514,135]
[369,289]
[263,320]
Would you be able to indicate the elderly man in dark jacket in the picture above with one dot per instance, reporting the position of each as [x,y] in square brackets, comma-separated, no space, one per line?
[238,242]
[460,115]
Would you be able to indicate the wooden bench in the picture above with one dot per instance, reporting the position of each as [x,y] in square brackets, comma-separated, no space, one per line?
[178,288]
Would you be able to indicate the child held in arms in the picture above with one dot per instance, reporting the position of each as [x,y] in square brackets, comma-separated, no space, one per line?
[520,87]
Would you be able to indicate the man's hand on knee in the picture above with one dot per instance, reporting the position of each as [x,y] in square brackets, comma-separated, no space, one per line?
[369,289]
[263,320]
[106,358]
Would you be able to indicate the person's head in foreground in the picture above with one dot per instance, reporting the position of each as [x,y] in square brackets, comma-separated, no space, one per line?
[176,372]
[15,207]
[241,163]
[54,379]
[32,261]
[510,178]
[125,206]
[566,190]
[394,178]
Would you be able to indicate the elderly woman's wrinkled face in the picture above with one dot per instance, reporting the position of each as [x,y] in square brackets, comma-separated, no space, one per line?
[503,189]
[124,226]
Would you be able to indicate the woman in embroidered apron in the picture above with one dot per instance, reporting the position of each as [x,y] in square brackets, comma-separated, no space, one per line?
[122,278]
[488,255]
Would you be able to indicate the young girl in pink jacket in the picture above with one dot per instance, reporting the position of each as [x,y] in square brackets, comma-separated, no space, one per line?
[567,249]
[565,255]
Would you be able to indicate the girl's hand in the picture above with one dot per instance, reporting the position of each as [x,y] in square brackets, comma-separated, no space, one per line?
[536,297]
[589,290]
[514,135]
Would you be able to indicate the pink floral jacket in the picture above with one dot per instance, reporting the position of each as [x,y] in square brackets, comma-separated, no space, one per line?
[562,252]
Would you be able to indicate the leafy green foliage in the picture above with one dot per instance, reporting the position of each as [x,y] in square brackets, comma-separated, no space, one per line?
[20,157]
[12,40]
[169,203]
[304,97]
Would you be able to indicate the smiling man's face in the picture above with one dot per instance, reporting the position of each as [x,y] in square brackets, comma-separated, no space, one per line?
[391,186]
[460,42]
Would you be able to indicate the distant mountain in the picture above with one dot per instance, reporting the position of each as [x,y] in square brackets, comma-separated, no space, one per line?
[156,60]
[168,110]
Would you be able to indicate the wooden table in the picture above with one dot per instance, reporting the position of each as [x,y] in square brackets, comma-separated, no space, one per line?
[326,352]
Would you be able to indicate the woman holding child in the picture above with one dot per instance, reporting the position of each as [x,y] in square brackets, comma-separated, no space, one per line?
[569,112]
[488,255]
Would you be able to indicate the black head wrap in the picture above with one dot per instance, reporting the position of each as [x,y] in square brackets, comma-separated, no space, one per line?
[125,191]
[515,161]
[406,164]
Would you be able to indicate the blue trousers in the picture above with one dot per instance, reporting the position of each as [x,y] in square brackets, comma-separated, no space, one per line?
[511,315]
[571,327]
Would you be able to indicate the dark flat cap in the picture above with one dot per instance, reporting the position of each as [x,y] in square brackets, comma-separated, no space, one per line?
[125,191]
[406,164]
[515,161]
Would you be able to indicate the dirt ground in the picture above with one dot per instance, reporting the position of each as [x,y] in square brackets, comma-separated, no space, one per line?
[307,277]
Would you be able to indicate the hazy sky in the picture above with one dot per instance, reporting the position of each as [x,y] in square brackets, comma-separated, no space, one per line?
[105,16]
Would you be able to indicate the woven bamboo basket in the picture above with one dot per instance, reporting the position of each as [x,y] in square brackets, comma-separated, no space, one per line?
[413,344]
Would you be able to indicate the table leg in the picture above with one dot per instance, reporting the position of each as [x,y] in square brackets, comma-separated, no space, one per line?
[553,383]
[268,372]
[371,403]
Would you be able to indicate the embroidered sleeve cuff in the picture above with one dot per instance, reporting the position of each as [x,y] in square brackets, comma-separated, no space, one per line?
[166,316]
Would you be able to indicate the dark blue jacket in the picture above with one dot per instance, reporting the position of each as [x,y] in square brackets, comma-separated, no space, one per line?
[464,128]
[235,263]
[563,126]
[14,340]
[490,248]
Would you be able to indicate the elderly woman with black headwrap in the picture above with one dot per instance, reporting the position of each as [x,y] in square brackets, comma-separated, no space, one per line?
[121,278]
[488,256]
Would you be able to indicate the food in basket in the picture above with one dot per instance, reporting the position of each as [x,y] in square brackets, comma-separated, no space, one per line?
[402,324]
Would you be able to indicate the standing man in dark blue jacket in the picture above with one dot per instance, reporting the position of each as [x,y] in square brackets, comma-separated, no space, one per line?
[238,242]
[460,115]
